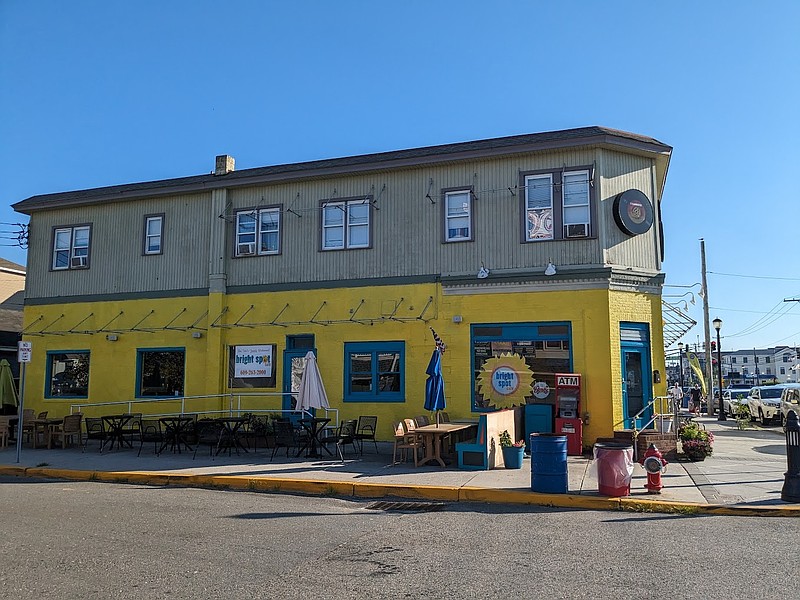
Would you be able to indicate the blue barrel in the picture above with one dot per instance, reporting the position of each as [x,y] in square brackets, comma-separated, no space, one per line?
[549,463]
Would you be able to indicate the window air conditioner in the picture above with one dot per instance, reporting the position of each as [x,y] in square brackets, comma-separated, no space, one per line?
[79,262]
[246,249]
[577,230]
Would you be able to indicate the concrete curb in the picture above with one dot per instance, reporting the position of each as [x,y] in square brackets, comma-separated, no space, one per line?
[317,487]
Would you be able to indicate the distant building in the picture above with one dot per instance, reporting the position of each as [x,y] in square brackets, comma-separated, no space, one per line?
[761,366]
[12,286]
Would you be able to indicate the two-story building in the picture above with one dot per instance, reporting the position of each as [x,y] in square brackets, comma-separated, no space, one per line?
[530,255]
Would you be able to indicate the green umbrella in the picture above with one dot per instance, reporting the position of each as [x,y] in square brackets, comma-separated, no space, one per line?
[8,392]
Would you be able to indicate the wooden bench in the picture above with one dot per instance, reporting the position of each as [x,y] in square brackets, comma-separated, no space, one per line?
[484,452]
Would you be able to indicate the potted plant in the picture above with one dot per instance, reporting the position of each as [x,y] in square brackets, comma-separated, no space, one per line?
[697,443]
[512,451]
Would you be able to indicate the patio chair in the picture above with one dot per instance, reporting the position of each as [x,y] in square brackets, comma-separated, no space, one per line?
[208,432]
[345,434]
[131,429]
[285,437]
[150,431]
[5,431]
[67,430]
[444,417]
[365,430]
[95,430]
[30,430]
[404,441]
[421,421]
[256,429]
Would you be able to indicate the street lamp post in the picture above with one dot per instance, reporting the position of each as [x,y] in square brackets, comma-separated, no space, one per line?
[680,366]
[721,416]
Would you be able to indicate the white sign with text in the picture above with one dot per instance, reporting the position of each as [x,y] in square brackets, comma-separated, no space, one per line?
[252,361]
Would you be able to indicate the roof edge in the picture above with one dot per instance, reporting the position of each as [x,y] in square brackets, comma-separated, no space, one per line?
[426,155]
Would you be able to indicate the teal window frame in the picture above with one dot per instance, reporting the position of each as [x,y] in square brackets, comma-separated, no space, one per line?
[139,353]
[48,374]
[538,331]
[374,349]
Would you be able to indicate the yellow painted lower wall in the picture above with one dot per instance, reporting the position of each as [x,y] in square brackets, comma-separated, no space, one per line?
[333,316]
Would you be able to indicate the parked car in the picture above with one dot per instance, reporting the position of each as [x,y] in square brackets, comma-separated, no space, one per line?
[732,399]
[790,401]
[764,403]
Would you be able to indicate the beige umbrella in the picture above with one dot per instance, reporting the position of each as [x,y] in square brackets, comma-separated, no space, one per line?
[312,390]
[8,391]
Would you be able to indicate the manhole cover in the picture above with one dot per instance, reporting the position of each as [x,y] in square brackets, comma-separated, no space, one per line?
[407,506]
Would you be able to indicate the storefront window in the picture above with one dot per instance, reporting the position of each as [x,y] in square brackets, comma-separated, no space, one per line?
[67,374]
[161,372]
[515,364]
[374,372]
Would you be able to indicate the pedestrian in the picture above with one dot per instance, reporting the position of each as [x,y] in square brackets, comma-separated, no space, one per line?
[676,393]
[695,399]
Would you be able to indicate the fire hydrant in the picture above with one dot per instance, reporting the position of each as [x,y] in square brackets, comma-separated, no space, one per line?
[654,463]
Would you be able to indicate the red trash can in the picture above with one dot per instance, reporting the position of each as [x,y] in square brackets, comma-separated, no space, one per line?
[614,468]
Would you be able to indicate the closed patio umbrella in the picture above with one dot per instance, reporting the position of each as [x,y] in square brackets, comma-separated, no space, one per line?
[312,391]
[434,386]
[8,391]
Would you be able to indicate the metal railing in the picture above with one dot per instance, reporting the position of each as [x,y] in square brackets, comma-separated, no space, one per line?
[237,405]
[664,409]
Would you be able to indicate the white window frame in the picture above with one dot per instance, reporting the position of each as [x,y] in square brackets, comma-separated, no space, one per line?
[466,214]
[586,204]
[565,212]
[253,240]
[348,224]
[539,214]
[77,254]
[148,236]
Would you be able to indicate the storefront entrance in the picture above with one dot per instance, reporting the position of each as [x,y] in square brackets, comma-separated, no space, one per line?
[637,390]
[293,362]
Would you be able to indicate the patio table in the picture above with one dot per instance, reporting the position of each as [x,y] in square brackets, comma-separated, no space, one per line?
[432,439]
[231,433]
[176,431]
[314,427]
[115,430]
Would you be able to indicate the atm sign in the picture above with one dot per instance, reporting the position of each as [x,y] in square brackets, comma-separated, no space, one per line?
[568,381]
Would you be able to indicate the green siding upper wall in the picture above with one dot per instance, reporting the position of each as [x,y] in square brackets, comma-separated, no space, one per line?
[407,230]
[116,261]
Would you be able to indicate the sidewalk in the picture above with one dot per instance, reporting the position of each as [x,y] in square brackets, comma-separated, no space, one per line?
[743,476]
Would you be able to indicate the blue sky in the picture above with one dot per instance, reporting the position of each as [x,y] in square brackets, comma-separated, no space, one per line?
[98,93]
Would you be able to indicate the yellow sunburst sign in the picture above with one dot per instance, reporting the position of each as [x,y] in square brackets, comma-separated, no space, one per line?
[505,380]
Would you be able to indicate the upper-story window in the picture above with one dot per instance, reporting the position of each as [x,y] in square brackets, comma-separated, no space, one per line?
[458,216]
[258,231]
[153,230]
[557,204]
[71,247]
[346,224]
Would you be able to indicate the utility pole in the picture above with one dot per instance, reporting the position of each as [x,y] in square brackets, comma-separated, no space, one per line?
[707,333]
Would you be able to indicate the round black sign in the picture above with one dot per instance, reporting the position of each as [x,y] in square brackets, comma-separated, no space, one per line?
[633,212]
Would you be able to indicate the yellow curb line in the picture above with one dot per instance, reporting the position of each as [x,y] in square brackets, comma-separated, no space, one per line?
[376,490]
[423,492]
[475,494]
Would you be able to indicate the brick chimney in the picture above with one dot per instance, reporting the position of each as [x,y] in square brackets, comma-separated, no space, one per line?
[225,165]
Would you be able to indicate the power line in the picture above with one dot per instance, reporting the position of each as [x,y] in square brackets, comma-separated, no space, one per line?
[752,276]
[772,316]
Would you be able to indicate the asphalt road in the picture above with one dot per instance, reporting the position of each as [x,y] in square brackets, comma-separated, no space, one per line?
[99,540]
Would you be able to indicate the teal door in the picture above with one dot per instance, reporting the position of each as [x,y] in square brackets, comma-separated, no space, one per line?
[293,363]
[637,388]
